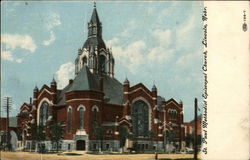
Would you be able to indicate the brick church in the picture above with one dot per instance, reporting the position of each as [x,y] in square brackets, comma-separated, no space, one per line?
[96,98]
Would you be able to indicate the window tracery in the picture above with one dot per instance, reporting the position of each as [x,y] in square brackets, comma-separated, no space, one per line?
[140,120]
[43,113]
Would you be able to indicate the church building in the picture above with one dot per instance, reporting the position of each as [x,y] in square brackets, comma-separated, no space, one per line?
[124,113]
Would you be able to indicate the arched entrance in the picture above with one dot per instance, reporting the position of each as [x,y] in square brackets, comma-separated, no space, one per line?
[80,145]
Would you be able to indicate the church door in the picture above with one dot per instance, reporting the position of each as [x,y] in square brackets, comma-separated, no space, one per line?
[80,145]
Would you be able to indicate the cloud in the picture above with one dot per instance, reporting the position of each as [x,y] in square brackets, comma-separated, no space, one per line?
[187,58]
[186,35]
[162,50]
[163,36]
[162,44]
[113,41]
[52,39]
[65,72]
[136,53]
[52,22]
[13,41]
[159,54]
[130,56]
[7,55]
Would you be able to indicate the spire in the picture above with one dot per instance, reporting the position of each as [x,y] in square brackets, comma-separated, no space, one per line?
[126,81]
[94,32]
[53,81]
[94,18]
[154,88]
[36,88]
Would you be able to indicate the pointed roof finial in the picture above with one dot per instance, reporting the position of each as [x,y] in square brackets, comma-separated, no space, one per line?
[154,87]
[94,4]
[53,80]
[36,88]
[126,81]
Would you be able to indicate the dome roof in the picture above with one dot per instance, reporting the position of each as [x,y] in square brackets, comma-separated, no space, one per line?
[94,41]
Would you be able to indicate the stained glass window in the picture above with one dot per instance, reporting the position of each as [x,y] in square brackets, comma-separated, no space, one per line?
[44,113]
[81,118]
[70,120]
[95,114]
[140,120]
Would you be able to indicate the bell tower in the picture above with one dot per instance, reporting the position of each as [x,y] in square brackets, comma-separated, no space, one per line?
[94,53]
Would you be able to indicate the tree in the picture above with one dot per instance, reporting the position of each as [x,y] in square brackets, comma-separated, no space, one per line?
[151,135]
[189,139]
[98,133]
[56,133]
[39,135]
[123,131]
[124,135]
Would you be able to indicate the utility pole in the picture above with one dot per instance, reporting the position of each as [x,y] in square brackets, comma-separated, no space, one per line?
[7,105]
[195,128]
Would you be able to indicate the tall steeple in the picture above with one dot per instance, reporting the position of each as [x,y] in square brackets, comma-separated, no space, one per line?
[94,53]
[95,26]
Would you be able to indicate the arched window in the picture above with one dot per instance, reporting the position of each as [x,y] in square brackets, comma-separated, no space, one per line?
[43,113]
[84,60]
[69,120]
[95,114]
[102,63]
[81,111]
[91,62]
[94,30]
[172,114]
[95,109]
[169,114]
[140,120]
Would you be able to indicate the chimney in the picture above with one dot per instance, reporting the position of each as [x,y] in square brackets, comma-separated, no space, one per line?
[30,100]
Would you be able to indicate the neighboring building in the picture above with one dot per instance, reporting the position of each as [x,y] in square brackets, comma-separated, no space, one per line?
[189,131]
[13,131]
[96,98]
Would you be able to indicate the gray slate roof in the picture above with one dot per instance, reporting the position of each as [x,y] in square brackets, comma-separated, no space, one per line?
[61,100]
[94,41]
[160,101]
[85,81]
[95,17]
[113,90]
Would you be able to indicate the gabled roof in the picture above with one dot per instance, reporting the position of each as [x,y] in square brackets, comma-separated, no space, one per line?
[172,100]
[28,106]
[85,81]
[140,85]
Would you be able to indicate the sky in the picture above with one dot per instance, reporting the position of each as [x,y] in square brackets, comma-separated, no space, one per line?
[152,42]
